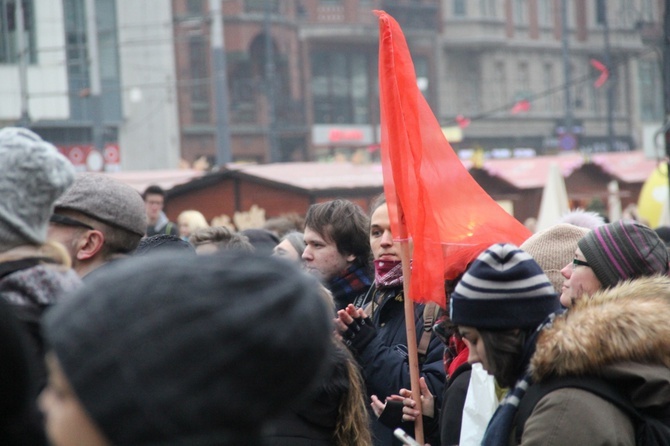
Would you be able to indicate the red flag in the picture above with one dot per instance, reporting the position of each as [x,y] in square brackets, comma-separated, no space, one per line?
[521,106]
[604,73]
[448,216]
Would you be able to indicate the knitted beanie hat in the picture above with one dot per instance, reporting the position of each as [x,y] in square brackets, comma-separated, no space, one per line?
[553,249]
[106,199]
[624,250]
[504,288]
[191,350]
[32,175]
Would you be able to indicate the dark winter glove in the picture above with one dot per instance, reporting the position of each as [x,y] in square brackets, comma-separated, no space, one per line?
[359,334]
[391,416]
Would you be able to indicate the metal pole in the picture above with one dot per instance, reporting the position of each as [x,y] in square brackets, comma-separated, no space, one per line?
[270,83]
[22,53]
[566,65]
[666,85]
[219,79]
[611,81]
[95,89]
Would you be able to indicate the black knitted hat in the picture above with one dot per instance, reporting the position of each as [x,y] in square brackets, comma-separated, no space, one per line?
[191,350]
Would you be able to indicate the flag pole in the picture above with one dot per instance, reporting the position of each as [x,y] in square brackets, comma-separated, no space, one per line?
[410,325]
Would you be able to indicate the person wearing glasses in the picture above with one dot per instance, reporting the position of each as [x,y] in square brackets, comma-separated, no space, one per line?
[97,220]
[611,254]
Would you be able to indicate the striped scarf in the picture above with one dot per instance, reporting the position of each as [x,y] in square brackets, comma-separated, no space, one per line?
[353,281]
[500,426]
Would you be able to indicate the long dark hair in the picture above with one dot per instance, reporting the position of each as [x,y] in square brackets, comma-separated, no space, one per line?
[504,352]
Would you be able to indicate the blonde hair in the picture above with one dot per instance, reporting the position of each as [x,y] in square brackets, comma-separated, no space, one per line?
[193,219]
[49,250]
[352,428]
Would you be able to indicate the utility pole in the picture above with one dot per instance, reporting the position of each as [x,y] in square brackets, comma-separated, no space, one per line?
[611,81]
[666,85]
[270,83]
[566,66]
[220,81]
[95,90]
[22,53]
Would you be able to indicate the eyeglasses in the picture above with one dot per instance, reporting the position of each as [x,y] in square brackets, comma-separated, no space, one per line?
[576,262]
[67,221]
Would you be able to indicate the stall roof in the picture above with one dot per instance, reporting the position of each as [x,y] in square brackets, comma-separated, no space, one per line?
[531,173]
[318,176]
[630,167]
[524,173]
[167,179]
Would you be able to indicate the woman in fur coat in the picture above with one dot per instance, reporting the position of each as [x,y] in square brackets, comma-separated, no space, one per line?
[505,309]
[622,335]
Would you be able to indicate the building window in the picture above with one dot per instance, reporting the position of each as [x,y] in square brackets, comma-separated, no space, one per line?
[648,11]
[601,12]
[8,31]
[194,7]
[544,12]
[340,87]
[651,103]
[77,59]
[459,8]
[261,6]
[487,8]
[520,12]
[197,55]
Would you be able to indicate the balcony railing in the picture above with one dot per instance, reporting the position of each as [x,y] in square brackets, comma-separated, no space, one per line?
[415,14]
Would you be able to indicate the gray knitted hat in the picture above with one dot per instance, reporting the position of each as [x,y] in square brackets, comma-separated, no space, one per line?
[103,198]
[191,350]
[32,175]
[504,288]
[624,250]
[554,248]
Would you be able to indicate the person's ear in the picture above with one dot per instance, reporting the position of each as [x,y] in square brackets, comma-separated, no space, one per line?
[350,258]
[90,244]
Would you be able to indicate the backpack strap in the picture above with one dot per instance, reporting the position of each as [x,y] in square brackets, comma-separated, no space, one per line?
[592,384]
[431,311]
[170,228]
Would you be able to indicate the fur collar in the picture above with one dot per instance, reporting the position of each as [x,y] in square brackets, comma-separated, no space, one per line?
[626,323]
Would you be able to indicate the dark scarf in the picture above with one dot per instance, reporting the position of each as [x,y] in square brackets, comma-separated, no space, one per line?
[345,287]
[500,426]
[388,273]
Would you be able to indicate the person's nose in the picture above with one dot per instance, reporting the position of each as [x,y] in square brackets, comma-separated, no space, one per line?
[307,253]
[387,239]
[567,271]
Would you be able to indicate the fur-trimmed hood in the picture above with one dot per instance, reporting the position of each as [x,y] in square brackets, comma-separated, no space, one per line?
[629,323]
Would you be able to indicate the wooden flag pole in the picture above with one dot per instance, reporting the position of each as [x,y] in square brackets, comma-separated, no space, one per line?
[410,325]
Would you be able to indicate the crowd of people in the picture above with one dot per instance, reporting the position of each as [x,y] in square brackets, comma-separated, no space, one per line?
[122,327]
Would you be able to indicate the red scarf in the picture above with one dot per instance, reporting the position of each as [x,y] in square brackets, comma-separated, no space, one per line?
[388,273]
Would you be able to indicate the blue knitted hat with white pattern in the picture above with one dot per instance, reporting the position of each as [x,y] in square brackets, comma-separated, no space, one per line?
[504,288]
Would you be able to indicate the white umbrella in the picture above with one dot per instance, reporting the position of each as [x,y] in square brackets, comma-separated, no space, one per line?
[554,202]
[614,201]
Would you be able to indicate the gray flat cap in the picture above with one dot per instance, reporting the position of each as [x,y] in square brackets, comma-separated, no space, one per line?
[106,199]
